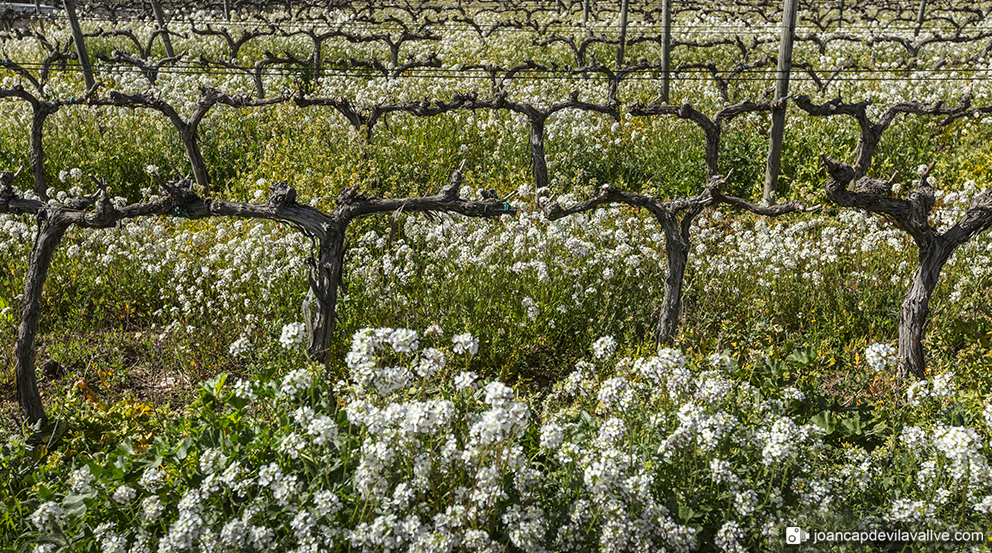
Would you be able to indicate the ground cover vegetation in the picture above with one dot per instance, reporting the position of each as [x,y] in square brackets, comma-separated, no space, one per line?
[491,383]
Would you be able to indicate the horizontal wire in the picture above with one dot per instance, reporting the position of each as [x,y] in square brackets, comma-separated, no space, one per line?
[428,73]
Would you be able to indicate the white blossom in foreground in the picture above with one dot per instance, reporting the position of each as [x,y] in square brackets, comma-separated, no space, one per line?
[879,356]
[293,334]
[47,514]
[239,347]
[604,347]
[296,381]
[125,494]
[465,343]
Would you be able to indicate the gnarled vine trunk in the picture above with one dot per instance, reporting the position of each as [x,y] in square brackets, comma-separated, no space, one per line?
[677,253]
[51,229]
[325,281]
[916,308]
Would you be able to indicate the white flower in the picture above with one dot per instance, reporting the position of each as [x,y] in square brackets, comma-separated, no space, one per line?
[239,347]
[745,502]
[907,510]
[125,494]
[604,347]
[152,508]
[879,356]
[326,503]
[234,534]
[552,435]
[431,361]
[465,343]
[942,385]
[914,437]
[530,307]
[985,505]
[465,380]
[212,461]
[781,441]
[404,340]
[498,394]
[151,169]
[323,429]
[719,360]
[611,432]
[729,536]
[292,445]
[293,335]
[244,389]
[296,381]
[152,478]
[47,514]
[793,394]
[80,480]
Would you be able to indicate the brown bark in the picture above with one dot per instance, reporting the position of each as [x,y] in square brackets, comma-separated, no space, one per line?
[712,128]
[912,216]
[51,229]
[325,282]
[677,253]
[539,163]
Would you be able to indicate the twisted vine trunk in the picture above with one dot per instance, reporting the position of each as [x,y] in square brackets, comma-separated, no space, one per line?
[538,159]
[916,308]
[50,233]
[188,136]
[677,252]
[324,282]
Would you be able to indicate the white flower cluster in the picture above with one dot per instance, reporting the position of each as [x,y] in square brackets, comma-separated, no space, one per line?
[48,514]
[212,461]
[940,386]
[465,343]
[879,356]
[962,446]
[239,347]
[604,347]
[293,334]
[907,510]
[296,381]
[125,495]
[80,480]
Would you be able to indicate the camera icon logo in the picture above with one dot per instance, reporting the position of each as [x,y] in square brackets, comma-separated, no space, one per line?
[795,535]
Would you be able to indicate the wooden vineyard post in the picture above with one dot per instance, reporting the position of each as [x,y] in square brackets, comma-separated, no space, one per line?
[789,10]
[160,17]
[919,17]
[666,51]
[623,33]
[77,38]
[585,12]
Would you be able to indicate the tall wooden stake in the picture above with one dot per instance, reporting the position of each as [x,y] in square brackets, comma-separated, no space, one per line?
[160,17]
[623,33]
[585,12]
[789,10]
[666,50]
[77,38]
[919,16]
